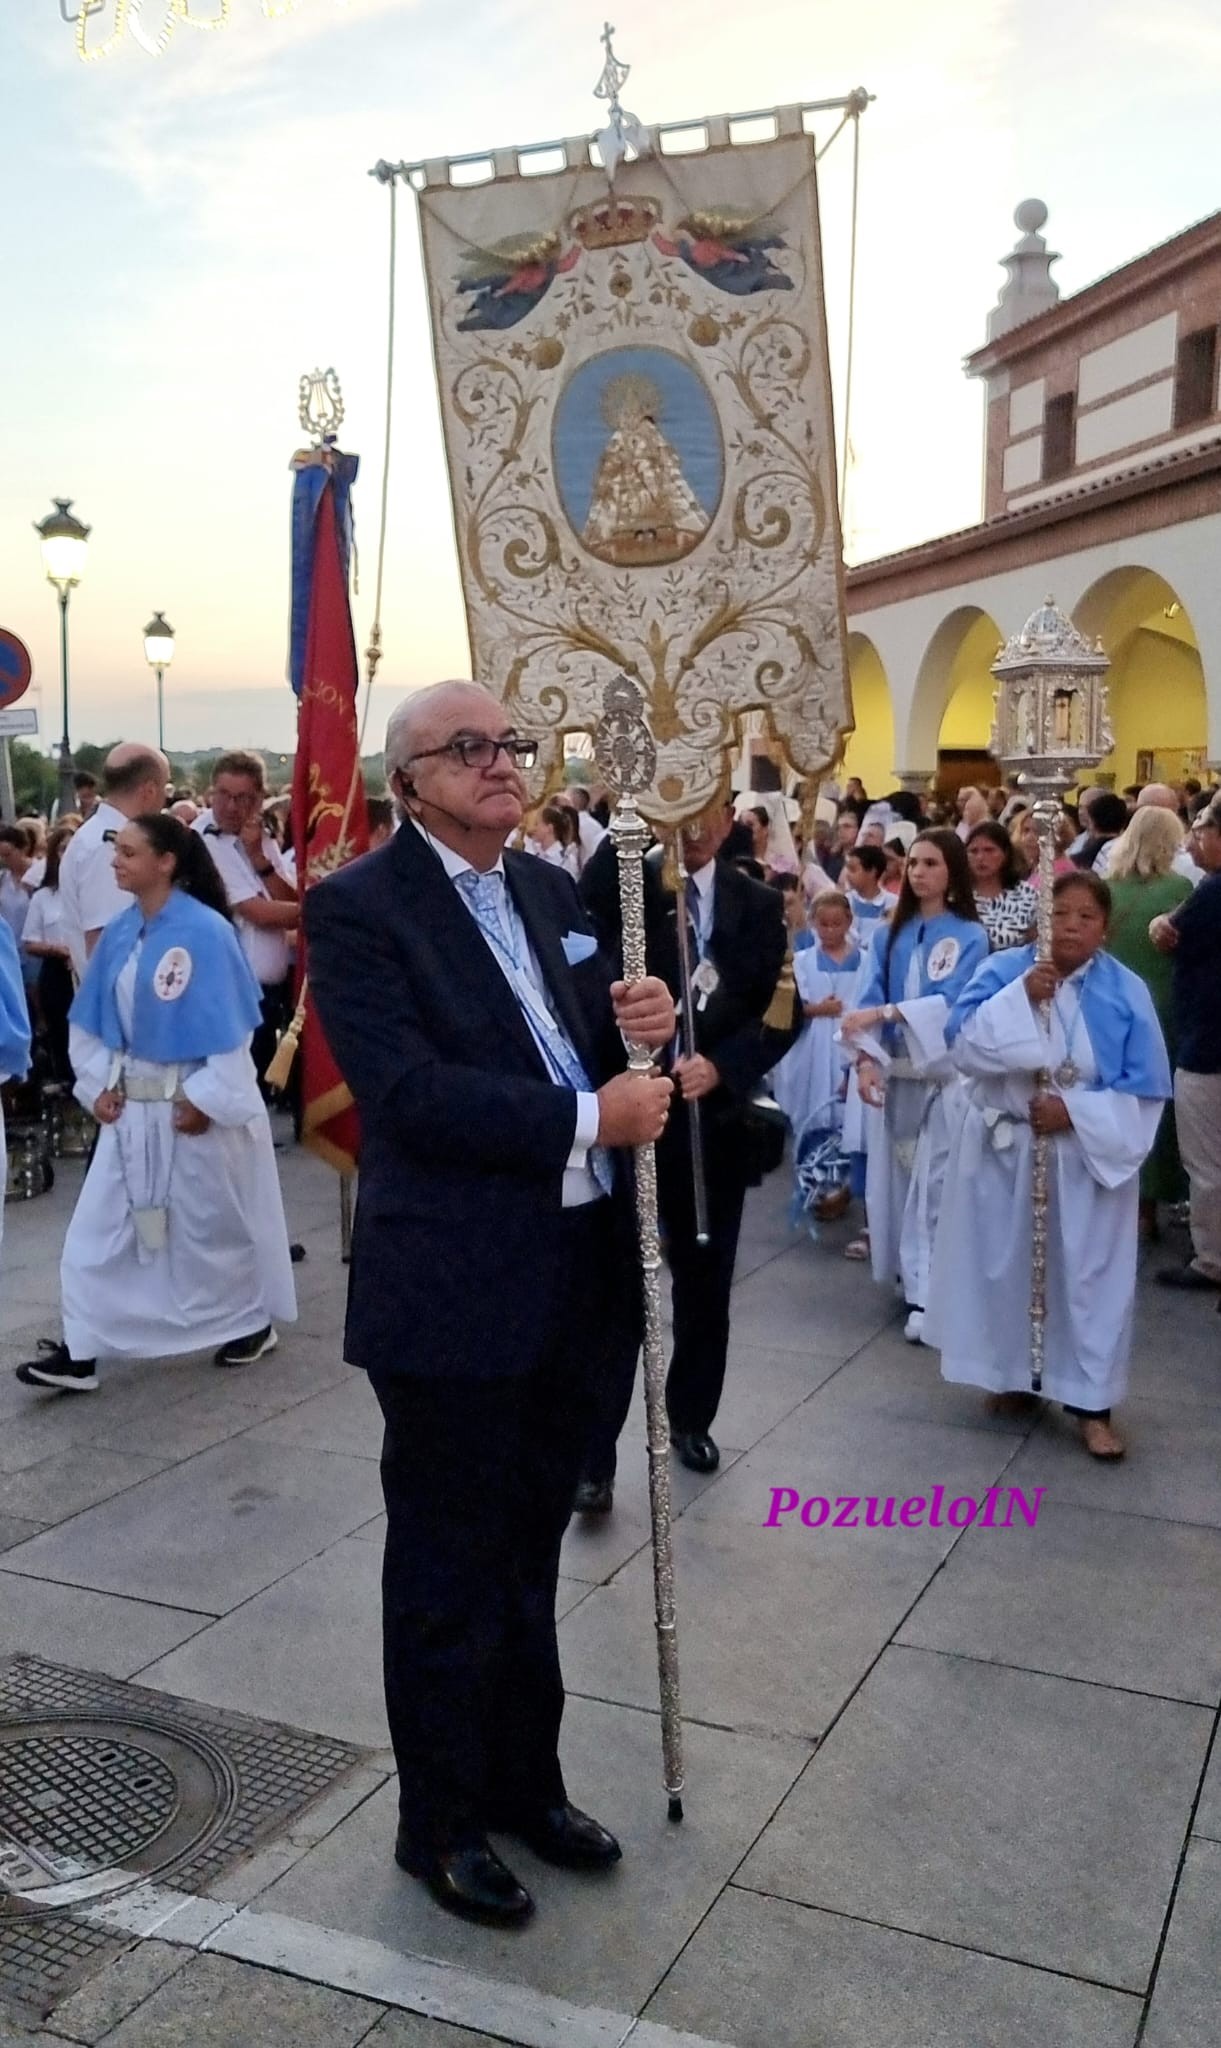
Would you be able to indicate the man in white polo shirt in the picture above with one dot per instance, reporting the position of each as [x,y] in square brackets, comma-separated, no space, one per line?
[261,892]
[134,781]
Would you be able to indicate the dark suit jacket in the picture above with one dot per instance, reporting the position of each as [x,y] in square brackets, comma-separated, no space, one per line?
[746,946]
[464,1135]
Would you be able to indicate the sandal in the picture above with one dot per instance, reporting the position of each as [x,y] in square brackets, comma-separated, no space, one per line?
[858,1249]
[1100,1439]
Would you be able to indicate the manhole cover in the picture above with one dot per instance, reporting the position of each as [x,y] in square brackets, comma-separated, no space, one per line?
[90,1805]
[105,1785]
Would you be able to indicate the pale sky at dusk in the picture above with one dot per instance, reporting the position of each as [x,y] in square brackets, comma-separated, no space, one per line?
[184,236]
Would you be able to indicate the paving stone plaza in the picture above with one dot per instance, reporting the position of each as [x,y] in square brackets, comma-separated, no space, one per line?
[945,1786]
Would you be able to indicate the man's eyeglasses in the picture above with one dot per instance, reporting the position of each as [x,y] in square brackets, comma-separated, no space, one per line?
[474,751]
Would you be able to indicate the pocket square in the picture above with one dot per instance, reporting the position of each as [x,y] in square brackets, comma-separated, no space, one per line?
[578,946]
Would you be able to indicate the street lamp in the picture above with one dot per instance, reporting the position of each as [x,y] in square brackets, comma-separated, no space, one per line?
[159,653]
[64,548]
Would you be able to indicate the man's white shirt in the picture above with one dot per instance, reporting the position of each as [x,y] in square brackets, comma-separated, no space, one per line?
[579,1184]
[268,950]
[88,893]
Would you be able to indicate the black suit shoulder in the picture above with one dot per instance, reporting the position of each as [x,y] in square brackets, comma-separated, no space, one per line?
[758,899]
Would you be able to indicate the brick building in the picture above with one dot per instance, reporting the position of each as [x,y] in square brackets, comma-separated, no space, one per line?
[1102,488]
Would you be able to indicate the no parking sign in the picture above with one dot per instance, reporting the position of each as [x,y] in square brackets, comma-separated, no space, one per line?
[16,668]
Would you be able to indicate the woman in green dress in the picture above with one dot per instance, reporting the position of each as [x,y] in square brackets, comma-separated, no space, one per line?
[1143,886]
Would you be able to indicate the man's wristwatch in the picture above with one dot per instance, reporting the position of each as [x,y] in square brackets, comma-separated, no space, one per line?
[889,1013]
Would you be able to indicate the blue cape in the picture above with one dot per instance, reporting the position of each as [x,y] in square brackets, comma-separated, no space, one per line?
[925,933]
[195,994]
[1119,1016]
[14,1011]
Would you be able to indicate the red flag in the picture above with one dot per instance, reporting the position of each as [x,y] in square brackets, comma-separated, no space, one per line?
[330,824]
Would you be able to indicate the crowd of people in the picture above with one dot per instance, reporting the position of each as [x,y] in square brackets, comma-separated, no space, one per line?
[937,1048]
[865,977]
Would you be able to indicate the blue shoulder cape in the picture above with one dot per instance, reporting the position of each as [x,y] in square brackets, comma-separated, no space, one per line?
[195,994]
[958,960]
[14,1011]
[1119,1016]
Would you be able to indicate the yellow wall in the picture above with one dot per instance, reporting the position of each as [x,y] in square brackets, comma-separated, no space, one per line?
[967,719]
[870,751]
[1156,690]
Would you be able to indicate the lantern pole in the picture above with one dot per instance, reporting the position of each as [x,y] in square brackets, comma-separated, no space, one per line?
[1051,723]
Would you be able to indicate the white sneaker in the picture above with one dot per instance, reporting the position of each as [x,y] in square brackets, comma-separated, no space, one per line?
[913,1328]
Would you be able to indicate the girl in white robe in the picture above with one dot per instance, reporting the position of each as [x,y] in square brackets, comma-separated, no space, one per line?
[810,1082]
[921,963]
[1104,1052]
[178,1241]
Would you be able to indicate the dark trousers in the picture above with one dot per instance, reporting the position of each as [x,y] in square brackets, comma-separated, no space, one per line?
[56,990]
[276,1015]
[478,1477]
[701,1278]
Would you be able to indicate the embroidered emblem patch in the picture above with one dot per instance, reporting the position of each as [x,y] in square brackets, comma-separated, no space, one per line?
[172,974]
[943,959]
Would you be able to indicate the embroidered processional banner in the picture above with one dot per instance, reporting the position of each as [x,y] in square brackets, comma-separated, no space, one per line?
[636,402]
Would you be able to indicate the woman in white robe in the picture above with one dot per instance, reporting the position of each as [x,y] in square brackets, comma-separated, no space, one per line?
[920,964]
[178,1241]
[1109,1077]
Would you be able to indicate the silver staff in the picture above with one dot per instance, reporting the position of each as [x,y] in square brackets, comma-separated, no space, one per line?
[627,759]
[695,1121]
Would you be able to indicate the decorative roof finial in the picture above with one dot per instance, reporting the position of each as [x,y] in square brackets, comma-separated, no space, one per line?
[1030,288]
[623,131]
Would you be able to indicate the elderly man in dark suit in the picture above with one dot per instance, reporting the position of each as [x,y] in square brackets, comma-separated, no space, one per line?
[738,943]
[481,1033]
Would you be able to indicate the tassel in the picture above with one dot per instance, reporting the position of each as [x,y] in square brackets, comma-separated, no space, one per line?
[780,1013]
[280,1065]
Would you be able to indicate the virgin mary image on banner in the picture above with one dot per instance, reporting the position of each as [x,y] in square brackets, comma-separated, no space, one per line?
[638,457]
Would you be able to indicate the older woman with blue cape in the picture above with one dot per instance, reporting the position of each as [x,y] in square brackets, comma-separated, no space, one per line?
[1103,1052]
[178,1240]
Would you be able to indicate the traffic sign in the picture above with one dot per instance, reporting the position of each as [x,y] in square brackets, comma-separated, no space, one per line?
[13,723]
[16,668]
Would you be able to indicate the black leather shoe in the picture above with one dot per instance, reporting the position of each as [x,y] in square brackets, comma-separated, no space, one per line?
[470,1880]
[594,1497]
[696,1450]
[565,1836]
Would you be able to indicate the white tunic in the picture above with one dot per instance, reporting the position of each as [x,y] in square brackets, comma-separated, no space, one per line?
[909,1143]
[979,1306]
[808,1082]
[223,1270]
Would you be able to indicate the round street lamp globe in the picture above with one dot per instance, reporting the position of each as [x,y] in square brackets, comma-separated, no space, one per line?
[158,641]
[65,544]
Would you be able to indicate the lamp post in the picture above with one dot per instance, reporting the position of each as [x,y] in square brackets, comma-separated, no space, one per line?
[65,544]
[1050,723]
[159,653]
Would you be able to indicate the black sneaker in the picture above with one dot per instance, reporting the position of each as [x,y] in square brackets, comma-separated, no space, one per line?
[244,1350]
[56,1369]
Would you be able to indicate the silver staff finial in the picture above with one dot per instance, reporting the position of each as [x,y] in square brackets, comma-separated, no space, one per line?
[623,131]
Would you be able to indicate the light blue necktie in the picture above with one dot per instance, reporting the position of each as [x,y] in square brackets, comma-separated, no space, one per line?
[487,899]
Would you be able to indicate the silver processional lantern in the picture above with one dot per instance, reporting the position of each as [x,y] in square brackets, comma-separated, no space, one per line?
[1051,705]
[1051,724]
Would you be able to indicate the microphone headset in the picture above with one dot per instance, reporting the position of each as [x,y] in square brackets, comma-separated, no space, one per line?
[407,789]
